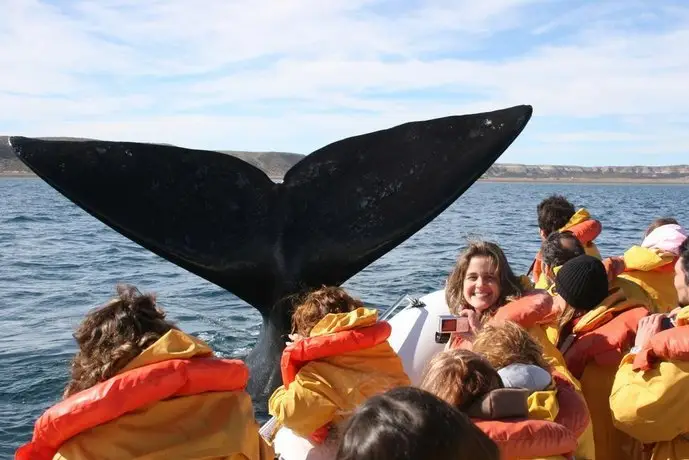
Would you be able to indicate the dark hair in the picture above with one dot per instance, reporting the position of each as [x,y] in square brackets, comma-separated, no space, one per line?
[510,287]
[408,423]
[659,223]
[112,335]
[553,213]
[560,247]
[684,257]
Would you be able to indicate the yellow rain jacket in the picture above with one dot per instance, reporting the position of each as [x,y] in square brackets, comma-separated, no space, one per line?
[649,395]
[345,360]
[586,229]
[648,278]
[593,352]
[175,400]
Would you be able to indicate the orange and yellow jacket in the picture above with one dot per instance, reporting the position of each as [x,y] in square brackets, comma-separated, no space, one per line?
[345,360]
[600,339]
[649,394]
[649,278]
[586,229]
[174,400]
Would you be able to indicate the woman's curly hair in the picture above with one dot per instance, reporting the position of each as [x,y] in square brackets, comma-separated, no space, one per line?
[112,335]
[315,305]
[506,342]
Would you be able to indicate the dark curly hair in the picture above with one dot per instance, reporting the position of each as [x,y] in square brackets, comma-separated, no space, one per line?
[553,213]
[112,335]
[560,247]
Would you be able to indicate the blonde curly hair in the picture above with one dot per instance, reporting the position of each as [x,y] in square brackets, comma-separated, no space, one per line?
[506,342]
[112,335]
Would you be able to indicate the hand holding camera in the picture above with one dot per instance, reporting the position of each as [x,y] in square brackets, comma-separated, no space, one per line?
[465,324]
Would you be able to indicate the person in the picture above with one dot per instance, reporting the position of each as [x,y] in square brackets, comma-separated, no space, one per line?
[516,355]
[481,283]
[661,221]
[596,327]
[556,249]
[140,387]
[557,214]
[648,395]
[649,267]
[519,360]
[408,423]
[339,357]
[467,381]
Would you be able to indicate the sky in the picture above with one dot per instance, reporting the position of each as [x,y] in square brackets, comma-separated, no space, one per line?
[608,79]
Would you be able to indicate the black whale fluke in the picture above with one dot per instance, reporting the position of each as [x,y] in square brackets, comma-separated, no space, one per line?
[338,210]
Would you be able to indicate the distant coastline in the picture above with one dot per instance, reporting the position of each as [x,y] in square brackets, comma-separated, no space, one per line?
[588,180]
[276,164]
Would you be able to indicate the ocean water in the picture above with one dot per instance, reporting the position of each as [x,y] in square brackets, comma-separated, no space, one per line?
[57,262]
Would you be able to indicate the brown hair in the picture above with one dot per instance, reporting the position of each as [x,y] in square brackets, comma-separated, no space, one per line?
[659,223]
[112,335]
[510,287]
[506,343]
[460,377]
[553,213]
[317,304]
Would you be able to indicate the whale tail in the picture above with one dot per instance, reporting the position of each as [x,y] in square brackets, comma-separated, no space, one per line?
[336,211]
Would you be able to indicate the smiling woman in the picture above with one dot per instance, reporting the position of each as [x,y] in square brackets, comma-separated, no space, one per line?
[480,283]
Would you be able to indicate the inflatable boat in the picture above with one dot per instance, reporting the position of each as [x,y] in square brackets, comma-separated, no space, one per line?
[414,322]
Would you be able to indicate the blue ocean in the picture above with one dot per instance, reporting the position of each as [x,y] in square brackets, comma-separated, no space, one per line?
[57,262]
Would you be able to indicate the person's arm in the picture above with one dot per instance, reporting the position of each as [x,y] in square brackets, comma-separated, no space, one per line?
[307,405]
[651,406]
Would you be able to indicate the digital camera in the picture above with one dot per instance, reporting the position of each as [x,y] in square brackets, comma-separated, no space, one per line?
[449,324]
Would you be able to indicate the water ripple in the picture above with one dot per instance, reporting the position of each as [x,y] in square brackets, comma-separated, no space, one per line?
[57,262]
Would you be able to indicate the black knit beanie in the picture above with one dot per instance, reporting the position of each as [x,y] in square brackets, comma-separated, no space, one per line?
[582,282]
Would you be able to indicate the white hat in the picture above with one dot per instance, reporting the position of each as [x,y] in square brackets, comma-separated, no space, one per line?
[529,376]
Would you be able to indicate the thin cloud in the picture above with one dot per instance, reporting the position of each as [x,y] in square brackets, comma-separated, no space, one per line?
[296,75]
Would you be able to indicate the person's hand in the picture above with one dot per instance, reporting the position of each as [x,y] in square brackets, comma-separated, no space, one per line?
[648,327]
[473,318]
[293,338]
[614,266]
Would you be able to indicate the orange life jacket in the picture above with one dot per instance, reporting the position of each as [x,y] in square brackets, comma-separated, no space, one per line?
[670,344]
[531,438]
[605,345]
[127,392]
[533,304]
[299,353]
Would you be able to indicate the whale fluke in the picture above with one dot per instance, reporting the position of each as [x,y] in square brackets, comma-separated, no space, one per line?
[337,210]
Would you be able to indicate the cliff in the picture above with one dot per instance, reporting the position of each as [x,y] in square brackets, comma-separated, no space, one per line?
[275,164]
[651,174]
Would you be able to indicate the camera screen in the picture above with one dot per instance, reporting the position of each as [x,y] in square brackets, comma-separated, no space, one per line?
[448,325]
